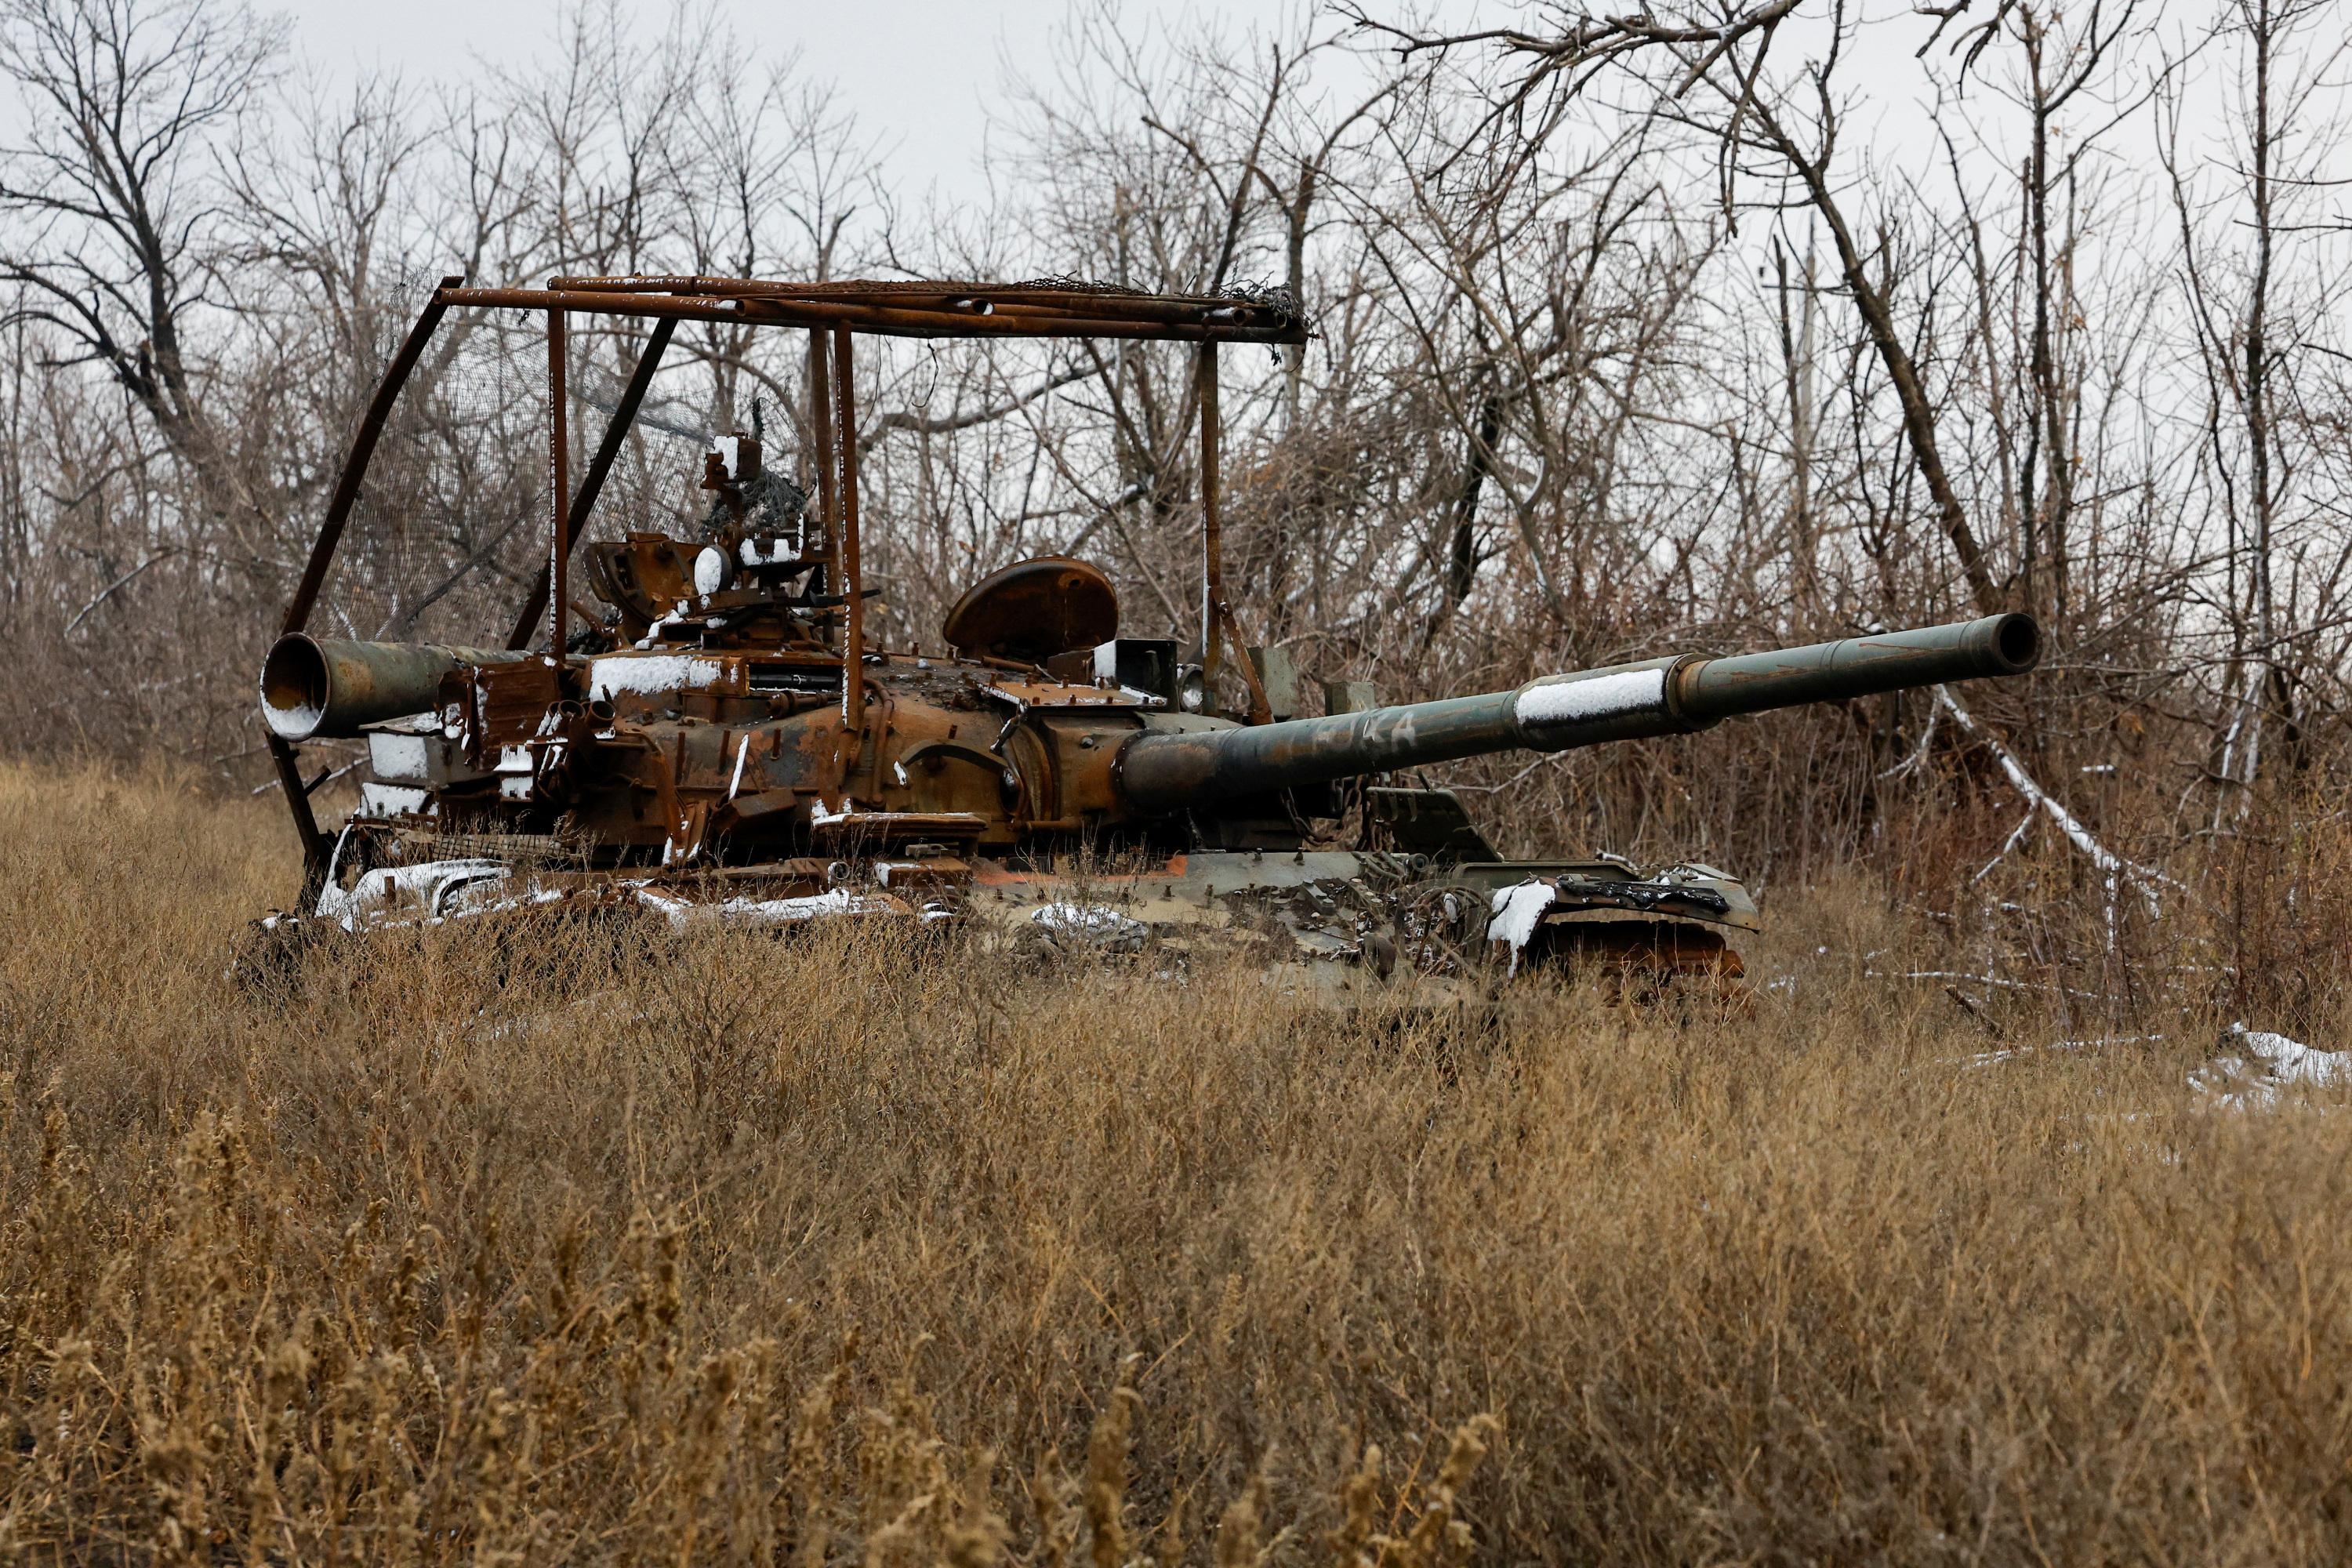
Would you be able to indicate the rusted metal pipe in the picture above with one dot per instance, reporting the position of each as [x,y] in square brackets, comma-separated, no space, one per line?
[967,299]
[1217,625]
[1168,771]
[695,307]
[559,465]
[314,688]
[1213,543]
[897,321]
[853,579]
[820,382]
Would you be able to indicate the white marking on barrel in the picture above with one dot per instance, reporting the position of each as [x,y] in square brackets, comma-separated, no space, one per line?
[1623,695]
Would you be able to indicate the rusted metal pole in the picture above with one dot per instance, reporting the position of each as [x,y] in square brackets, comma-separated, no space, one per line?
[1213,321]
[306,821]
[853,581]
[965,298]
[608,450]
[1217,625]
[820,382]
[558,456]
[322,555]
[1213,543]
[347,485]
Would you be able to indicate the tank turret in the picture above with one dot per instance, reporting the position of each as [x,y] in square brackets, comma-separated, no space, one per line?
[725,732]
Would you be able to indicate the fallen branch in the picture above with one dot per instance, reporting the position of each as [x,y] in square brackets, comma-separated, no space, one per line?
[1968,1005]
[123,581]
[1910,764]
[2008,845]
[1949,976]
[2112,865]
[2010,1053]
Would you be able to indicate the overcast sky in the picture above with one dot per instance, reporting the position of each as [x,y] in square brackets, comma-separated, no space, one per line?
[922,74]
[917,73]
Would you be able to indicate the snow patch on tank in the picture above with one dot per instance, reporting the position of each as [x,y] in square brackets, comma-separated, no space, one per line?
[425,890]
[1517,912]
[1090,925]
[686,913]
[1619,695]
[652,675]
[295,721]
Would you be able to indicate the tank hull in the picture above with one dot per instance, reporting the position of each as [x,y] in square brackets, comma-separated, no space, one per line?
[1343,925]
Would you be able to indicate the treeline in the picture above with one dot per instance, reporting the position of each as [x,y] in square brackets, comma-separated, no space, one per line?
[1632,336]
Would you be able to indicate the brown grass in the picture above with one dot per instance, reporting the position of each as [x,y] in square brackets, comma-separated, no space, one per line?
[830,1252]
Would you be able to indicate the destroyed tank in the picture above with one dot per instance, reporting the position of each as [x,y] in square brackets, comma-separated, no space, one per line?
[716,743]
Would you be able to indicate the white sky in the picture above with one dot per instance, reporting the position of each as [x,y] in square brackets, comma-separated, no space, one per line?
[917,73]
[921,74]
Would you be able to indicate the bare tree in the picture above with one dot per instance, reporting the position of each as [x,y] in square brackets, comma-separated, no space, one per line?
[2260,329]
[111,194]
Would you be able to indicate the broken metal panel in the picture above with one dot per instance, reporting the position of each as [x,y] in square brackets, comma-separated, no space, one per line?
[1278,675]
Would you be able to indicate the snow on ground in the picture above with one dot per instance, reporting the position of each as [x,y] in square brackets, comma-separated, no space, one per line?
[2262,1068]
[685,914]
[2253,1070]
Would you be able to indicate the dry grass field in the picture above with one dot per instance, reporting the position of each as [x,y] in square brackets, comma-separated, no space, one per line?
[833,1251]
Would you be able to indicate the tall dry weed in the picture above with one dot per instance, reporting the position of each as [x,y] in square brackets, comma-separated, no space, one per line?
[839,1250]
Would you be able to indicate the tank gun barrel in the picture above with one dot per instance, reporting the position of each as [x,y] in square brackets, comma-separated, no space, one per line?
[1165,772]
[331,686]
